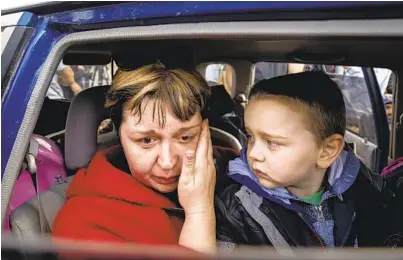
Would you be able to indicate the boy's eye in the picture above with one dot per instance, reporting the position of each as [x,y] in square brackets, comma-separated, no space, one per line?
[249,137]
[273,144]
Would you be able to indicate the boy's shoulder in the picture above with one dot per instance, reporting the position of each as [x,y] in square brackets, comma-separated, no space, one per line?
[376,202]
[372,187]
[226,199]
[233,198]
[367,179]
[364,179]
[228,192]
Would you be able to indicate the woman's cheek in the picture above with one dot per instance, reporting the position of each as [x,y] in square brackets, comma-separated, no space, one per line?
[141,162]
[183,147]
[192,145]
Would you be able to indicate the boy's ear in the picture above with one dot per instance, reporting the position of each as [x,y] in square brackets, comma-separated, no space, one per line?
[331,148]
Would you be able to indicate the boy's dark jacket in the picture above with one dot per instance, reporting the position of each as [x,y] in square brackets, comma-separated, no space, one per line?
[362,208]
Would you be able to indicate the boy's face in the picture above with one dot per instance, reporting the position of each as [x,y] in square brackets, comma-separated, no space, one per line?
[281,151]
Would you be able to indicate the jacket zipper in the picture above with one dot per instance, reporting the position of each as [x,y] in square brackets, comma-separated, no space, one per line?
[322,244]
[350,225]
[319,209]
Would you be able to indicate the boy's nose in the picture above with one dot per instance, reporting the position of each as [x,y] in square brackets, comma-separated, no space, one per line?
[256,154]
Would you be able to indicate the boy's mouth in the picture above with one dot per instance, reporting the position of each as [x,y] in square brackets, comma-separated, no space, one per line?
[259,173]
[262,175]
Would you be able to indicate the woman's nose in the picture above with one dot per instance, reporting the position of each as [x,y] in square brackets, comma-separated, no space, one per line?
[168,157]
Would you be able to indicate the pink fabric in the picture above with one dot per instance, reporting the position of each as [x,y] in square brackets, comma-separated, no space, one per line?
[50,168]
[393,166]
[24,189]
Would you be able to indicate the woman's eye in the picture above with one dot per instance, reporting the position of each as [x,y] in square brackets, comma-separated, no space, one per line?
[146,140]
[186,138]
[249,137]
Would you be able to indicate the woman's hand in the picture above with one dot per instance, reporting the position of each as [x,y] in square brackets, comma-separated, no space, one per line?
[198,178]
[196,195]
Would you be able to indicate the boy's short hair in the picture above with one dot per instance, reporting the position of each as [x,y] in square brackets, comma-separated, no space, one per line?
[312,93]
[183,91]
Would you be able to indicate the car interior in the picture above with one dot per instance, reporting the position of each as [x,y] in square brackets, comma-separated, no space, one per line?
[74,125]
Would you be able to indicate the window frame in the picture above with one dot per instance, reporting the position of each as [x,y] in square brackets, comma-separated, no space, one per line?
[12,52]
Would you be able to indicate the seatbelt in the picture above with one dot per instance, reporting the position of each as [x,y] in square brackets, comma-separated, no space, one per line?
[251,202]
[30,158]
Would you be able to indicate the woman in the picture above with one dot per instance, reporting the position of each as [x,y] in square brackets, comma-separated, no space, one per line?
[133,192]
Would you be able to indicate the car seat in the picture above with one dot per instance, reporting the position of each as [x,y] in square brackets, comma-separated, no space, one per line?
[43,166]
[223,114]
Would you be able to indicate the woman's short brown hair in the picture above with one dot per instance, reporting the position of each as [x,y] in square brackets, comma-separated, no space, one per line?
[183,91]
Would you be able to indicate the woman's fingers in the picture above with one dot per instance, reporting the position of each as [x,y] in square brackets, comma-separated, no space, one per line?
[210,146]
[187,174]
[202,146]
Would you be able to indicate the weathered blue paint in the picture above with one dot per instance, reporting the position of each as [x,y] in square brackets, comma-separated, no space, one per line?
[144,10]
[28,19]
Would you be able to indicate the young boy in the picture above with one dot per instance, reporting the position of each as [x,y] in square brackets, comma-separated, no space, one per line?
[297,183]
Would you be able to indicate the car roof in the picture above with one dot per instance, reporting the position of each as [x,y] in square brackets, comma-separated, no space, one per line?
[48,7]
[51,7]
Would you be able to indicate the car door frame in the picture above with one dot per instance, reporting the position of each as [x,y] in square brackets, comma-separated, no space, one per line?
[379,118]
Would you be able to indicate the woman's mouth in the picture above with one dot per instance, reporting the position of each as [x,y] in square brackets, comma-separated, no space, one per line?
[165,181]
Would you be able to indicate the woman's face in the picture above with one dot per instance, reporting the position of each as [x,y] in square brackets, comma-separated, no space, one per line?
[155,153]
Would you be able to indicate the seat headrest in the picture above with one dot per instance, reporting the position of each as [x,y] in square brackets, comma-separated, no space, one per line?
[85,114]
[220,101]
[148,53]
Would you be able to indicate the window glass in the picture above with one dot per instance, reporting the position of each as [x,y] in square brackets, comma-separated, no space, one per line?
[387,83]
[5,36]
[220,74]
[71,79]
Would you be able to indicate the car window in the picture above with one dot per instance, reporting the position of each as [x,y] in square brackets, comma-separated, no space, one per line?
[387,83]
[220,74]
[71,79]
[13,42]
[5,36]
[351,81]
